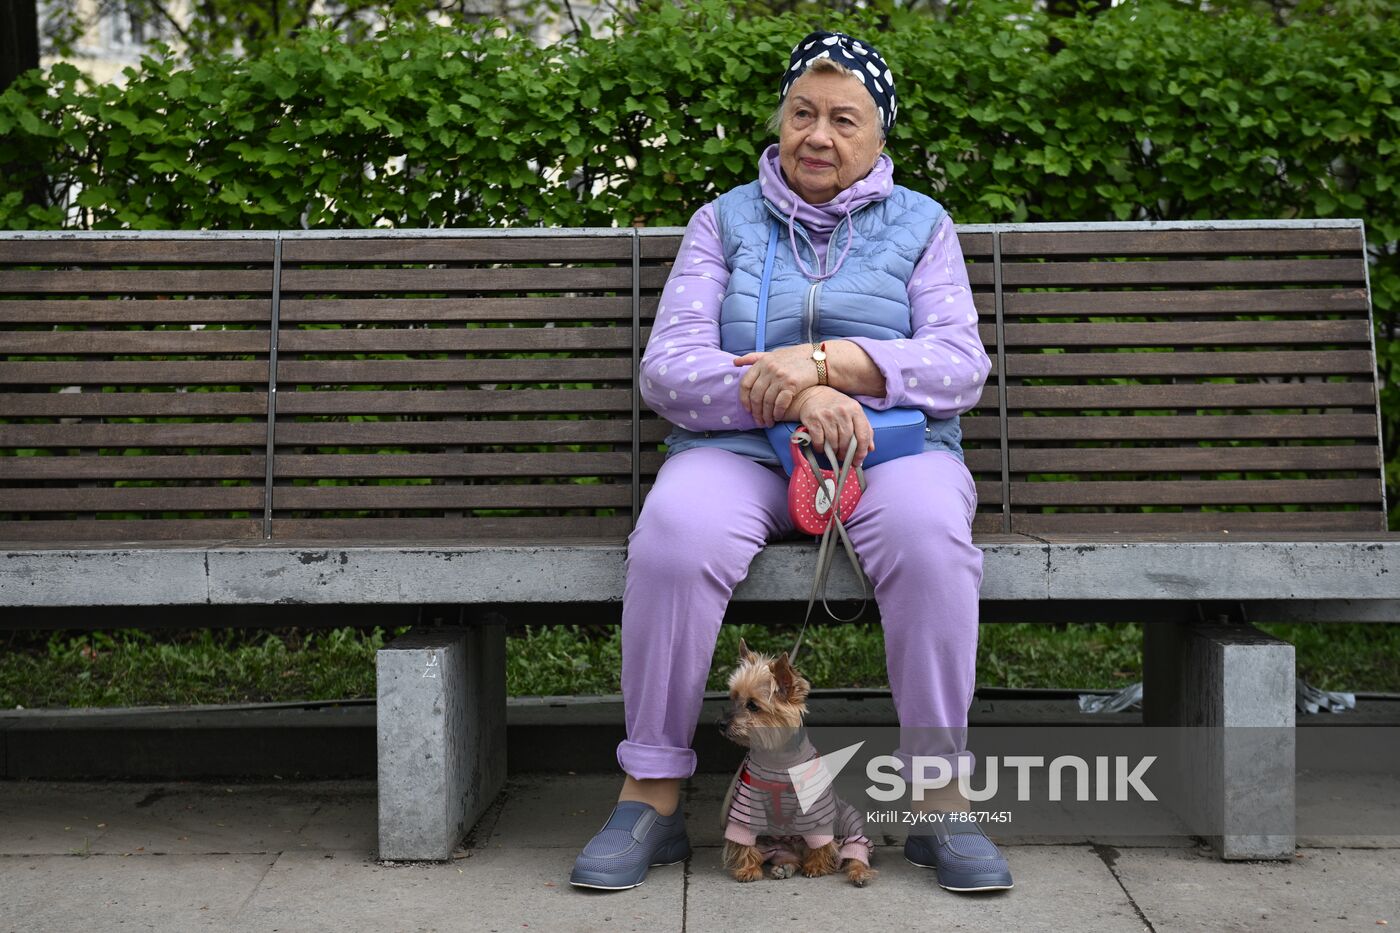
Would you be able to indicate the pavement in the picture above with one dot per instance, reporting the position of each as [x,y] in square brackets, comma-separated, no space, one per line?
[300,856]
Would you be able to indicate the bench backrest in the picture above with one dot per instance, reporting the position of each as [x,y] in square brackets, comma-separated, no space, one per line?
[479,385]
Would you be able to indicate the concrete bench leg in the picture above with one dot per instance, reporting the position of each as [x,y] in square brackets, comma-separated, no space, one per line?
[1223,675]
[442,737]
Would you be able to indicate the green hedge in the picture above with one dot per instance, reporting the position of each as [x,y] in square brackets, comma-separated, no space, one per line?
[1146,111]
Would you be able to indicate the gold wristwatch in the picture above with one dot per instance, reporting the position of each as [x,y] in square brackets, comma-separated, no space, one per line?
[819,357]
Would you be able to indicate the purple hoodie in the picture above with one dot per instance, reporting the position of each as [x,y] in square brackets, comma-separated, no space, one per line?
[691,382]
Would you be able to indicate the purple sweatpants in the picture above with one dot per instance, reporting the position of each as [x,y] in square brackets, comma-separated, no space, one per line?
[712,510]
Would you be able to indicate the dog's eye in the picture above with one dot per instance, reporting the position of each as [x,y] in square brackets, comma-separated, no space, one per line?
[751,706]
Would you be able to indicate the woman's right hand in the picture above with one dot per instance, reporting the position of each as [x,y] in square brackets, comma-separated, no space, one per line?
[832,417]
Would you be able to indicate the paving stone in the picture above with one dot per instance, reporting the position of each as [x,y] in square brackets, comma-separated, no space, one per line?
[43,818]
[1318,890]
[1348,810]
[553,810]
[491,890]
[161,893]
[1057,888]
[228,818]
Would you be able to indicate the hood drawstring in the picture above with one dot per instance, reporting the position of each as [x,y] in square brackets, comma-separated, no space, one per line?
[850,236]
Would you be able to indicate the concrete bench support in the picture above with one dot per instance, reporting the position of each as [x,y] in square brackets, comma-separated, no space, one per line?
[442,737]
[1239,683]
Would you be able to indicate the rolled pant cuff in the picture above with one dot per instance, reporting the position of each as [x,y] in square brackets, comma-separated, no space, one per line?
[953,764]
[644,762]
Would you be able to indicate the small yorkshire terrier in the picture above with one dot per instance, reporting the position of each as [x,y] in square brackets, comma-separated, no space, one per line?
[764,822]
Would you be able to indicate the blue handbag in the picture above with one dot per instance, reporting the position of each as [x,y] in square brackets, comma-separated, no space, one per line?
[899,432]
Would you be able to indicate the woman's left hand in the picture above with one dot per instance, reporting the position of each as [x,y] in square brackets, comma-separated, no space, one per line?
[773,381]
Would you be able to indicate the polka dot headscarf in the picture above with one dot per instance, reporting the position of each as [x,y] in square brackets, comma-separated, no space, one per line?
[863,60]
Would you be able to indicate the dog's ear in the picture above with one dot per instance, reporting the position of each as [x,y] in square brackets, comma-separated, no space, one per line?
[745,655]
[784,675]
[792,687]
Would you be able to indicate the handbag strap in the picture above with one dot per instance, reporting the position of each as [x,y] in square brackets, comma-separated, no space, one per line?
[760,327]
[834,529]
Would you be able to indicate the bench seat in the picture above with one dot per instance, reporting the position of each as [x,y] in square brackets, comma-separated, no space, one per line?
[1317,576]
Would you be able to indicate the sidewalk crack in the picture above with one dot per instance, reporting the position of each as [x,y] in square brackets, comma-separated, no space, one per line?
[1109,856]
[267,869]
[685,890]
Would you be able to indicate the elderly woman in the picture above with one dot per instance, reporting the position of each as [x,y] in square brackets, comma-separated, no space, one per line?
[869,303]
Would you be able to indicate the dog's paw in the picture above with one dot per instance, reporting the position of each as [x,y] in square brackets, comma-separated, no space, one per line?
[860,875]
[785,870]
[819,862]
[748,873]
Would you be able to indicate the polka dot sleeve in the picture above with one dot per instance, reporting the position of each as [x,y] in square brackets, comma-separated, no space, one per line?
[686,378]
[943,366]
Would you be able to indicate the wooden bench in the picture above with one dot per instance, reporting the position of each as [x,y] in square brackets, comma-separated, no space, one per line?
[451,417]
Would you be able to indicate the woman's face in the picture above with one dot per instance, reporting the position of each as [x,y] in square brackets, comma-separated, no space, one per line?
[830,136]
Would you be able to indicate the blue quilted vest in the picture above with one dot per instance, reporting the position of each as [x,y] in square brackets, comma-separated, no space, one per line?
[867,297]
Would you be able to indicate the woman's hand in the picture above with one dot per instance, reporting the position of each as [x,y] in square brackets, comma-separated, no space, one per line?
[832,417]
[773,381]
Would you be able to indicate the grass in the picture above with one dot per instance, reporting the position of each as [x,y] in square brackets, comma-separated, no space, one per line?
[137,668]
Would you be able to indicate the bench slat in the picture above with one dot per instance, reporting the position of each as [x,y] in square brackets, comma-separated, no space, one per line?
[1211,301]
[135,499]
[976,245]
[1191,427]
[459,249]
[154,372]
[457,530]
[984,460]
[660,247]
[136,281]
[137,311]
[129,342]
[1107,524]
[986,425]
[391,433]
[1209,272]
[348,310]
[1196,395]
[45,530]
[454,401]
[1170,242]
[132,252]
[496,496]
[1192,333]
[468,340]
[549,279]
[1188,363]
[1195,459]
[79,469]
[1189,492]
[986,523]
[341,466]
[448,371]
[131,404]
[222,434]
[981,274]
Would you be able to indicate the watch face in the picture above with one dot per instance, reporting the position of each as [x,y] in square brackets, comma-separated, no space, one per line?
[819,355]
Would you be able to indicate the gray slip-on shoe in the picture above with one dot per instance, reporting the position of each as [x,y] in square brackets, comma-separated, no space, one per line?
[634,838]
[962,855]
